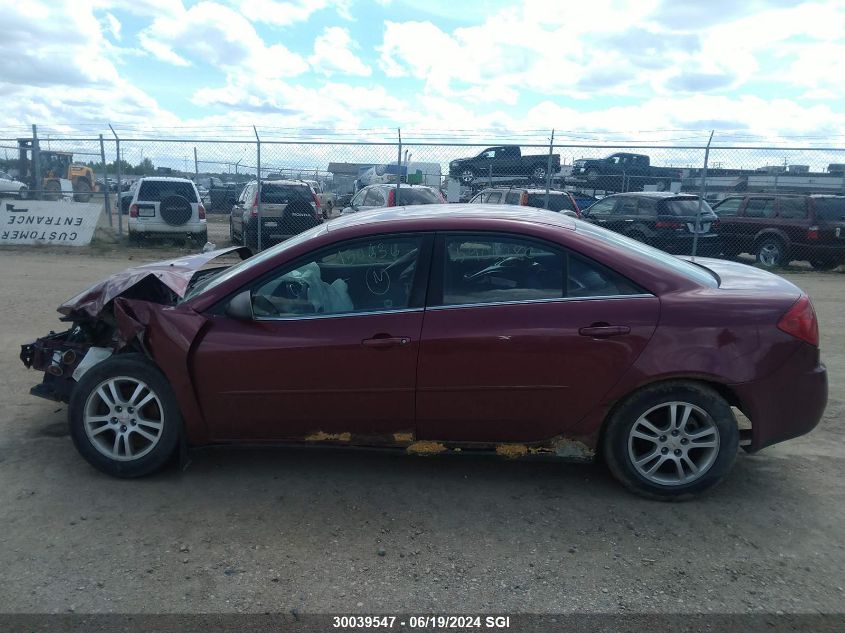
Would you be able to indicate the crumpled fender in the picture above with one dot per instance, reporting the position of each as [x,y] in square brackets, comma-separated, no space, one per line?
[167,335]
[162,279]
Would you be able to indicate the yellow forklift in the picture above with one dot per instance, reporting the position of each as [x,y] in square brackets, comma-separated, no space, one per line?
[43,172]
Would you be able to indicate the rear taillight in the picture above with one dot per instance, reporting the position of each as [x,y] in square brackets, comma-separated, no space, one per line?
[813,233]
[800,321]
[669,225]
[316,200]
[523,199]
[201,212]
[714,224]
[391,198]
[254,212]
[133,211]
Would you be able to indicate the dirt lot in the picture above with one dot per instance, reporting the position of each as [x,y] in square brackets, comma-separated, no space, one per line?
[331,531]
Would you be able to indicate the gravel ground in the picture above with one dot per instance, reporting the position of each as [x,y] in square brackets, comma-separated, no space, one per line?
[317,530]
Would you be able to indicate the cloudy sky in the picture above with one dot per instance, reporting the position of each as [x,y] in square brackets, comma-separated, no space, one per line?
[630,68]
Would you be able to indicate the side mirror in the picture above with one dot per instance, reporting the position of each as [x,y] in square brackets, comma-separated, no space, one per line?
[240,307]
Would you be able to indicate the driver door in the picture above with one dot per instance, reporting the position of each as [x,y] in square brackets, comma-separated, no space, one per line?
[331,352]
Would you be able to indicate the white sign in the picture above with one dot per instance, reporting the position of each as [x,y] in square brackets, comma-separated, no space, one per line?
[41,222]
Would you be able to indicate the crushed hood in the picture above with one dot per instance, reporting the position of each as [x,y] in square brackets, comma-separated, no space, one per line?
[149,281]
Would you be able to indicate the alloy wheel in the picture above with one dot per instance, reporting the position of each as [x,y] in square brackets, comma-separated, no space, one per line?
[673,444]
[770,254]
[123,418]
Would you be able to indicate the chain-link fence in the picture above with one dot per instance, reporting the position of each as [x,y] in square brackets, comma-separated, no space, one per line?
[773,204]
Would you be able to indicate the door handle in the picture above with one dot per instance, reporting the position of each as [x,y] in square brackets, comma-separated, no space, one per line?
[604,331]
[383,342]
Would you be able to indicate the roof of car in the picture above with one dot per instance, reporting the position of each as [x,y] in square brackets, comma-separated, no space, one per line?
[481,212]
[652,194]
[525,189]
[165,179]
[402,186]
[280,181]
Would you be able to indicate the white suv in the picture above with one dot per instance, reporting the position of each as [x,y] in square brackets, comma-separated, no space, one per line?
[167,207]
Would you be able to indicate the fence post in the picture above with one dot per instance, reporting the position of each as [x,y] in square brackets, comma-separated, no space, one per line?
[258,171]
[701,196]
[107,193]
[549,170]
[196,167]
[117,177]
[36,165]
[398,167]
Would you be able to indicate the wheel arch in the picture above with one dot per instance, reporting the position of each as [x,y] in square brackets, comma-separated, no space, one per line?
[772,232]
[722,389]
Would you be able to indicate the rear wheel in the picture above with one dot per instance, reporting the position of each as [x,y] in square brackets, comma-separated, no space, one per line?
[467,176]
[538,173]
[23,193]
[771,252]
[124,418]
[82,191]
[671,441]
[199,239]
[52,190]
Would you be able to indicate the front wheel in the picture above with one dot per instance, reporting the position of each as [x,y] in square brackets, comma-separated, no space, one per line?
[467,176]
[23,193]
[124,418]
[671,441]
[538,174]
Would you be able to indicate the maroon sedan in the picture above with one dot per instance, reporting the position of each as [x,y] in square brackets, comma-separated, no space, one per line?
[433,330]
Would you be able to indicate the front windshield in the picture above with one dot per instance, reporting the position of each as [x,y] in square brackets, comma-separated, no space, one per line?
[213,281]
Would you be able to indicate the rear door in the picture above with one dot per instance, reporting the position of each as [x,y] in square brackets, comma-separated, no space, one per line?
[830,219]
[792,218]
[728,210]
[522,338]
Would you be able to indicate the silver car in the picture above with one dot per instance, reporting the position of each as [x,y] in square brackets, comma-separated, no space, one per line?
[11,187]
[384,195]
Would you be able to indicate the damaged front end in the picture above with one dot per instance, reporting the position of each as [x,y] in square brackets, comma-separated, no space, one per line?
[100,326]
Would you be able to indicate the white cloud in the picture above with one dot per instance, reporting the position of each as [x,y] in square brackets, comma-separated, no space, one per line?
[285,13]
[333,54]
[213,34]
[113,25]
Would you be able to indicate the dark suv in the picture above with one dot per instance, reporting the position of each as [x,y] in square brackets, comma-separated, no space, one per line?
[777,229]
[659,218]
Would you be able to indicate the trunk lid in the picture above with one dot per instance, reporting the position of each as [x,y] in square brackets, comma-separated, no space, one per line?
[741,277]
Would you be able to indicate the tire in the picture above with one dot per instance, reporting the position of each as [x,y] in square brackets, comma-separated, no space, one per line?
[82,191]
[467,176]
[663,447]
[135,238]
[231,232]
[538,173]
[92,416]
[661,185]
[771,252]
[824,264]
[199,239]
[23,193]
[52,190]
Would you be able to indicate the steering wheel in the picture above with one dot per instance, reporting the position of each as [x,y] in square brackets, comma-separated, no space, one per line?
[505,262]
[406,263]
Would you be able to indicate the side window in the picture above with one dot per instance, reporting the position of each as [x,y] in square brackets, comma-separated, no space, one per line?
[246,194]
[626,206]
[728,208]
[476,199]
[586,278]
[490,153]
[601,208]
[358,198]
[375,198]
[760,208]
[493,269]
[792,208]
[647,207]
[512,197]
[360,276]
[494,197]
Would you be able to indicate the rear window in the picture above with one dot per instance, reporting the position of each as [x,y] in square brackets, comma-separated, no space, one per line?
[831,209]
[684,207]
[284,194]
[557,202]
[158,190]
[696,273]
[408,196]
